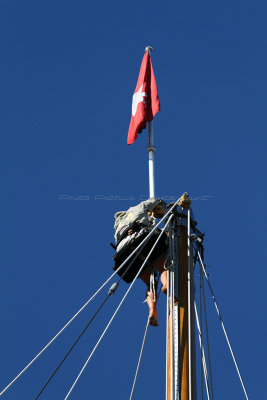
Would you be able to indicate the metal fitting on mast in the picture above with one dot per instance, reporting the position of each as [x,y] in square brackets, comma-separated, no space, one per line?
[149,49]
[151,148]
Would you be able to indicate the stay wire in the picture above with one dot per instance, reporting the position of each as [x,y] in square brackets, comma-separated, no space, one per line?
[131,263]
[116,311]
[72,347]
[201,328]
[140,358]
[91,320]
[207,336]
[203,358]
[221,320]
[88,324]
[88,301]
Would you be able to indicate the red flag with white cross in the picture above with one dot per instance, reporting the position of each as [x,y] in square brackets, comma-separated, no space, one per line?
[145,99]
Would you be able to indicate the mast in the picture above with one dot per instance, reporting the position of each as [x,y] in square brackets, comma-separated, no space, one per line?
[181,362]
[180,349]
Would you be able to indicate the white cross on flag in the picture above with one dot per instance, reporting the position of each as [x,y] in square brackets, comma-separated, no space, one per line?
[145,100]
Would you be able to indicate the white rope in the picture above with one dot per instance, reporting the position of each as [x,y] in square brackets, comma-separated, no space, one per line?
[189,299]
[173,336]
[57,335]
[86,304]
[207,334]
[167,327]
[201,320]
[224,330]
[203,358]
[116,311]
[140,358]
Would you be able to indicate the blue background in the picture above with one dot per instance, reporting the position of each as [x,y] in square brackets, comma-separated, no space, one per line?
[68,72]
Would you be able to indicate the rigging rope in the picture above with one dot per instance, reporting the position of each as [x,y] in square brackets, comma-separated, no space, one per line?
[116,311]
[203,358]
[131,263]
[170,326]
[72,347]
[207,334]
[201,326]
[111,291]
[140,358]
[88,301]
[223,327]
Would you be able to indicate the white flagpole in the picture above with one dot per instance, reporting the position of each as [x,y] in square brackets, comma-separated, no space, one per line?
[151,151]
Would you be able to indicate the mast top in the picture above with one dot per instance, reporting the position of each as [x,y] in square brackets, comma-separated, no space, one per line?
[149,49]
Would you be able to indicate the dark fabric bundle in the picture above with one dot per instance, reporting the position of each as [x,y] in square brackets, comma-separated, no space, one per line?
[159,251]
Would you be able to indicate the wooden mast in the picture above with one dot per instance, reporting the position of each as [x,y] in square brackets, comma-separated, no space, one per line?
[186,383]
[183,315]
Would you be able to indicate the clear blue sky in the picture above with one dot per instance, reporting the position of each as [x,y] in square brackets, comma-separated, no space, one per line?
[68,72]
